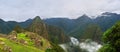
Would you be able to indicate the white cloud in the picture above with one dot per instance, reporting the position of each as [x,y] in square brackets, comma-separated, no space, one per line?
[24,9]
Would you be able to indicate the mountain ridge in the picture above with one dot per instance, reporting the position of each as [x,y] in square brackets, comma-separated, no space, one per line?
[104,21]
[71,27]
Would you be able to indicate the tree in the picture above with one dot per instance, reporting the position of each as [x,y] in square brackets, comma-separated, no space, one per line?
[93,32]
[55,48]
[18,29]
[111,38]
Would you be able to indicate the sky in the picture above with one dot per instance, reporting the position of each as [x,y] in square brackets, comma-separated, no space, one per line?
[21,10]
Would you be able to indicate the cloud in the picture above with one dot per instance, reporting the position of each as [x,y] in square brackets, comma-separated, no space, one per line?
[21,10]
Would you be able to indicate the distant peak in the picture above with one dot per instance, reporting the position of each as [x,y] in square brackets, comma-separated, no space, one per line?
[1,20]
[37,19]
[84,17]
[29,19]
[108,13]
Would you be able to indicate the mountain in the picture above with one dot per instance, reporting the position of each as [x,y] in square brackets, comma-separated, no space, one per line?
[63,23]
[38,26]
[33,41]
[4,28]
[107,19]
[81,23]
[78,27]
[83,19]
[92,31]
[52,33]
[35,25]
[11,25]
[26,23]
[7,27]
[70,27]
[57,35]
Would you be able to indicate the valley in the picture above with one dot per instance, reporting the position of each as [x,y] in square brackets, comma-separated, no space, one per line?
[57,34]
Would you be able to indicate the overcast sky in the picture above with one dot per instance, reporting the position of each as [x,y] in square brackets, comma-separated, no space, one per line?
[21,10]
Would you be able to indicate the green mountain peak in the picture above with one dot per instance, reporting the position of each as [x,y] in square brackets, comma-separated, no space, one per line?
[37,19]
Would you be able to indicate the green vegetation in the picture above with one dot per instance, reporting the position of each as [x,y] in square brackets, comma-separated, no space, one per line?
[17,47]
[107,48]
[22,36]
[55,48]
[111,38]
[33,38]
[24,42]
[49,50]
[93,32]
[39,27]
[56,35]
[28,42]
[18,29]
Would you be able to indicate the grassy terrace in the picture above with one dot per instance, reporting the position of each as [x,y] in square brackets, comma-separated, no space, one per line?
[17,47]
[23,36]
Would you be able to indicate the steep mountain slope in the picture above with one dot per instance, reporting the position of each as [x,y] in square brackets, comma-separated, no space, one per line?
[7,27]
[51,33]
[35,25]
[107,19]
[26,23]
[38,26]
[11,25]
[57,35]
[93,32]
[62,23]
[4,28]
[83,19]
[71,27]
[79,25]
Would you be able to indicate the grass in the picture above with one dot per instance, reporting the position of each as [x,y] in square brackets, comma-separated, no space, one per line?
[23,36]
[29,47]
[16,47]
[45,44]
[31,43]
